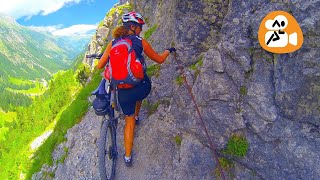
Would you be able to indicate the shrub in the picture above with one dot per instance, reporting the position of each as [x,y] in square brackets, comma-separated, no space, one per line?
[237,146]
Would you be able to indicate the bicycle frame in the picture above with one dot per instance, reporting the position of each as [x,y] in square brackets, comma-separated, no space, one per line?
[112,121]
[109,126]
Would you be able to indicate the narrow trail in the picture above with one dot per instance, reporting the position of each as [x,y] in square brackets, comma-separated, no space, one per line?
[156,155]
[139,161]
[81,161]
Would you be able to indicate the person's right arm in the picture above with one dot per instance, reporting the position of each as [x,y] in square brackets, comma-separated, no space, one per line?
[148,50]
[104,59]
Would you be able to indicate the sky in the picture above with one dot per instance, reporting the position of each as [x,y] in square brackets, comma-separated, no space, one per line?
[60,17]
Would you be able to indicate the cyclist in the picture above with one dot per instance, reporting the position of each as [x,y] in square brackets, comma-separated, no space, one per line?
[130,100]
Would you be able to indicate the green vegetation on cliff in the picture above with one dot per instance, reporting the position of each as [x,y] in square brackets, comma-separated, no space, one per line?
[71,116]
[150,31]
[119,10]
[31,122]
[58,109]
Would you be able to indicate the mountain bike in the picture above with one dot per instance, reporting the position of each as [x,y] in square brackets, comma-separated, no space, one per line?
[104,105]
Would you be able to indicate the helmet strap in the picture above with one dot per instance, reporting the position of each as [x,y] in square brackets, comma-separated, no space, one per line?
[133,30]
[128,26]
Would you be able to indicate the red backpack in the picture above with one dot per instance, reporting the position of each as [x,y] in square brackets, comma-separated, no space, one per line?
[124,69]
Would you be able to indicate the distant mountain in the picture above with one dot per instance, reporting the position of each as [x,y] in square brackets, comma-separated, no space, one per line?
[29,54]
[27,57]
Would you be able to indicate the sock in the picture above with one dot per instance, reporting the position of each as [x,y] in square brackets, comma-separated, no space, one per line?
[127,158]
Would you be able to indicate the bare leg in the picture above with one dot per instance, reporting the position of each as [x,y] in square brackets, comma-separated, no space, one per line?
[138,106]
[129,134]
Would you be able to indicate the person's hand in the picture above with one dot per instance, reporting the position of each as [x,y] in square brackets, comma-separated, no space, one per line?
[172,49]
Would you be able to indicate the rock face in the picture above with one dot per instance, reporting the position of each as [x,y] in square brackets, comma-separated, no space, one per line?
[271,100]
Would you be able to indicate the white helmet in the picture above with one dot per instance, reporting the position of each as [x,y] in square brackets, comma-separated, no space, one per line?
[133,17]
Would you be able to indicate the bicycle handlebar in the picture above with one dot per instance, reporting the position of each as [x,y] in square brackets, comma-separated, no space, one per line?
[97,56]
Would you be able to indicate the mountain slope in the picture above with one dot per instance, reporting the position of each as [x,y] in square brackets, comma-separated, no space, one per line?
[30,54]
[32,57]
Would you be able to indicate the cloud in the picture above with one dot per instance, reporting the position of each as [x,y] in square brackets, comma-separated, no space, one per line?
[50,29]
[29,8]
[75,30]
[79,30]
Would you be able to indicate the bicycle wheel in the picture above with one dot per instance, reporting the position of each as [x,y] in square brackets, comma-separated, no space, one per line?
[106,155]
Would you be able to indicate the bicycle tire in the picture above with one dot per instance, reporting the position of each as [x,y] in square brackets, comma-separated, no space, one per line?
[114,152]
[106,154]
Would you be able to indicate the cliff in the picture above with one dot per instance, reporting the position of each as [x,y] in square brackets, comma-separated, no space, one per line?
[262,110]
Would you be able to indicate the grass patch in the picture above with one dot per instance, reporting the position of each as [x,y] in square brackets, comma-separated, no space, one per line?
[193,67]
[38,89]
[268,58]
[151,108]
[150,31]
[101,24]
[146,20]
[120,9]
[154,70]
[275,59]
[179,80]
[47,175]
[199,62]
[71,116]
[27,87]
[196,66]
[237,146]
[178,140]
[226,165]
[243,90]
[251,51]
[51,175]
[64,156]
[17,81]
[7,117]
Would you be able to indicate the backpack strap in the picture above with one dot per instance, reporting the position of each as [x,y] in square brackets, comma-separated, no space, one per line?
[123,42]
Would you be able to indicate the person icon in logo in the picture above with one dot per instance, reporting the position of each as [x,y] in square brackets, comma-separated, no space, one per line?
[280,33]
[275,36]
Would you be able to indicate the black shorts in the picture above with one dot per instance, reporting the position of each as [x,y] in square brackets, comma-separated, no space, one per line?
[128,97]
